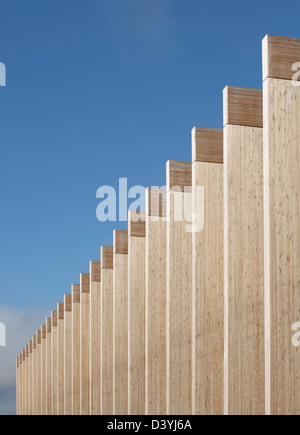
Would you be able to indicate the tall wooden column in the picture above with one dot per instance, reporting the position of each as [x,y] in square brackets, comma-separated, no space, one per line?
[107,358]
[84,344]
[75,349]
[43,370]
[60,359]
[54,364]
[156,296]
[95,338]
[68,378]
[179,288]
[120,313]
[281,93]
[136,310]
[243,236]
[207,272]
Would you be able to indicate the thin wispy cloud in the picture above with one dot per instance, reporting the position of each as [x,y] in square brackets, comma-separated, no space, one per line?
[140,29]
[20,326]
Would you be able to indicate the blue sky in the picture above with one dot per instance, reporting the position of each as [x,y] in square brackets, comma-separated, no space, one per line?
[97,90]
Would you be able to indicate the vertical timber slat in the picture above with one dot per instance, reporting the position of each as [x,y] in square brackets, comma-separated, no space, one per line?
[107,330]
[120,314]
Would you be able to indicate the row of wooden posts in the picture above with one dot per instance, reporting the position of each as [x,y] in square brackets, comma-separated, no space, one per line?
[188,318]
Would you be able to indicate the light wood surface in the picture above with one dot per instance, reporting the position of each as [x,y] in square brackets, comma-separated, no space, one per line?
[60,359]
[43,370]
[29,374]
[282,243]
[136,313]
[54,363]
[24,381]
[75,349]
[120,314]
[279,55]
[17,386]
[27,379]
[207,273]
[48,366]
[155,330]
[38,372]
[244,273]
[107,359]
[179,290]
[84,344]
[68,377]
[95,337]
[34,384]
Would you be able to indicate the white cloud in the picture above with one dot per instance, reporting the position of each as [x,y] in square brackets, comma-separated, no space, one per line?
[21,325]
[140,28]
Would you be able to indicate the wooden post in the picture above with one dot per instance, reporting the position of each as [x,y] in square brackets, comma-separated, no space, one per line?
[281,93]
[18,386]
[95,337]
[207,272]
[38,372]
[34,383]
[243,248]
[156,294]
[60,359]
[30,378]
[68,378]
[84,344]
[137,313]
[120,322]
[107,330]
[43,370]
[54,364]
[179,288]
[24,381]
[76,349]
[48,366]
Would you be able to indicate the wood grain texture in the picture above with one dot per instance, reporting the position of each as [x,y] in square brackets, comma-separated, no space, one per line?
[44,370]
[38,372]
[95,271]
[95,337]
[75,349]
[208,291]
[60,359]
[85,344]
[121,242]
[27,379]
[179,174]
[54,363]
[136,322]
[207,145]
[107,257]
[282,244]
[120,315]
[48,366]
[68,376]
[107,358]
[34,385]
[279,55]
[179,303]
[242,106]
[244,272]
[24,381]
[137,223]
[156,204]
[17,386]
[30,377]
[155,329]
